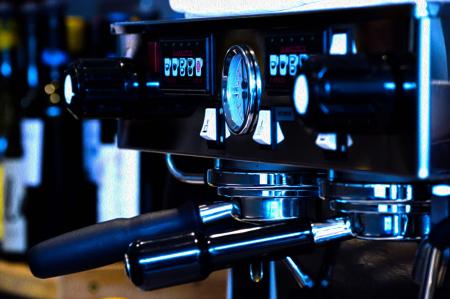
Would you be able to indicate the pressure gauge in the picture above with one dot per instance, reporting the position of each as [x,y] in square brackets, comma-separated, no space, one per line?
[241,89]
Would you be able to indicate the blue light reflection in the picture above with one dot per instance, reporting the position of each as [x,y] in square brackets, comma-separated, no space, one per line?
[409,86]
[389,85]
[53,111]
[215,217]
[3,144]
[257,241]
[169,256]
[33,76]
[152,84]
[209,213]
[441,190]
[424,97]
[387,224]
[54,57]
[6,69]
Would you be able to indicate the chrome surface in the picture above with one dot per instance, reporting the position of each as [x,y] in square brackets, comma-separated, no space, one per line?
[273,281]
[215,212]
[381,211]
[188,178]
[264,196]
[275,193]
[334,229]
[355,191]
[429,261]
[256,272]
[424,90]
[302,279]
[395,227]
[251,68]
[431,273]
[186,257]
[223,178]
[266,209]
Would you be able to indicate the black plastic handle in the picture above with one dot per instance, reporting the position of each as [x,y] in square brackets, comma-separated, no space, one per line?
[106,243]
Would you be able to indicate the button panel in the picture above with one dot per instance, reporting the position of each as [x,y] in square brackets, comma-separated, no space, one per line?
[186,64]
[284,57]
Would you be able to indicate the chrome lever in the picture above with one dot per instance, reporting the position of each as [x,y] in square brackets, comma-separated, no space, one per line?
[429,269]
[431,263]
[302,279]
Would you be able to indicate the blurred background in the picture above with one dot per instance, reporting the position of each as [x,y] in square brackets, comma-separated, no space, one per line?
[57,173]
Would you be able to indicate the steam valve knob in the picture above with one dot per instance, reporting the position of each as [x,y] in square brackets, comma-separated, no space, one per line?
[352,92]
[102,88]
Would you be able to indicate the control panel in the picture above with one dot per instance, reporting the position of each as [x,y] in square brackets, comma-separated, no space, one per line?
[186,64]
[285,55]
[328,93]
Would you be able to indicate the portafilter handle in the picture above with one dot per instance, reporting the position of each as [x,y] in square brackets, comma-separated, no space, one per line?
[106,243]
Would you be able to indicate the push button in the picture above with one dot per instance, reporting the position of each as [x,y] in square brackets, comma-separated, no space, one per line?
[328,141]
[209,128]
[263,132]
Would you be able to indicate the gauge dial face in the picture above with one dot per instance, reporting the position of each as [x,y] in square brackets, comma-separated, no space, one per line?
[241,89]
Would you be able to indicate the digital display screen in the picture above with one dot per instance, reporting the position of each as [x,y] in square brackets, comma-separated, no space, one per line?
[185,64]
[284,57]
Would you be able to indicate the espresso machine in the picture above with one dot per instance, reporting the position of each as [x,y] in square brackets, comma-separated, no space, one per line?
[328,143]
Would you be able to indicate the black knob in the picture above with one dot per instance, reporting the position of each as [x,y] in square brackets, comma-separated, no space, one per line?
[353,92]
[104,88]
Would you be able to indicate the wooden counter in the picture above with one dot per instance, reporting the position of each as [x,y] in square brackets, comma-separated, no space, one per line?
[104,283]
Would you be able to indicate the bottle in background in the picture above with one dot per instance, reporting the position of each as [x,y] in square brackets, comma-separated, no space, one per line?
[65,198]
[13,181]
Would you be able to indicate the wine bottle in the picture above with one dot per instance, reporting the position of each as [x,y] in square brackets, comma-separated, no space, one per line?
[64,200]
[14,222]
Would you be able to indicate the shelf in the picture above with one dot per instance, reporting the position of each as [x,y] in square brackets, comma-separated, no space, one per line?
[104,283]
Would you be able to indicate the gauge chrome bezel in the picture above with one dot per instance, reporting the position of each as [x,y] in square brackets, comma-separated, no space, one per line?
[254,74]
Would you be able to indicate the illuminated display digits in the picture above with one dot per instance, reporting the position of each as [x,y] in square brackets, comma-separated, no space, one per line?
[179,67]
[175,64]
[183,67]
[198,67]
[302,58]
[167,66]
[287,64]
[190,66]
[274,60]
[293,64]
[284,60]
